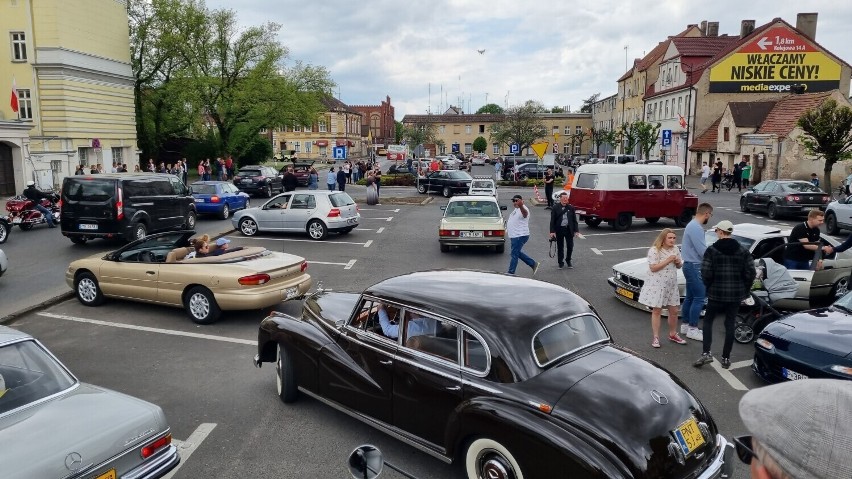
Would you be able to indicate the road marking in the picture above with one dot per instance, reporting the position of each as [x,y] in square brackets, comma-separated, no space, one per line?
[378,209]
[186,448]
[170,332]
[301,240]
[629,232]
[368,243]
[383,219]
[350,264]
[379,231]
[727,376]
[328,262]
[390,218]
[742,364]
[596,251]
[601,251]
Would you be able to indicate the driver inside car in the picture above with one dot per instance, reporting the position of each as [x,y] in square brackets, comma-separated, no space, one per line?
[416,326]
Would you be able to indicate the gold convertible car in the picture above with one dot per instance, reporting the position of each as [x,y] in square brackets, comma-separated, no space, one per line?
[155,270]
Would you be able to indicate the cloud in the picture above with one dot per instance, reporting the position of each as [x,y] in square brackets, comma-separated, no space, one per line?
[555,52]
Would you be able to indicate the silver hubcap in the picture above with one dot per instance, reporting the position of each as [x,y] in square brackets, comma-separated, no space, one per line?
[191,221]
[493,466]
[316,230]
[248,227]
[87,290]
[199,307]
[225,211]
[140,233]
[842,287]
[3,233]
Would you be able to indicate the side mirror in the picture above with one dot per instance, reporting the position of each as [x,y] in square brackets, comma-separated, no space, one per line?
[503,208]
[443,208]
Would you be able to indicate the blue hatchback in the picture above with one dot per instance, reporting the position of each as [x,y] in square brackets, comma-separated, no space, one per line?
[218,198]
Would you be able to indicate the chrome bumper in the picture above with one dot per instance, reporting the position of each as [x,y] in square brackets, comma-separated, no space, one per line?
[157,467]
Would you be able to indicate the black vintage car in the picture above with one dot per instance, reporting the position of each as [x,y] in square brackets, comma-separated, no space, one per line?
[807,344]
[784,198]
[448,182]
[536,171]
[257,179]
[510,376]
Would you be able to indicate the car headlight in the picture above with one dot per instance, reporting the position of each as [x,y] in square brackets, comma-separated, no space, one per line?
[845,370]
[765,344]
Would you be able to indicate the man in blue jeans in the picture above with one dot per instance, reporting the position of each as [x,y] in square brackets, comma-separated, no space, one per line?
[692,251]
[518,229]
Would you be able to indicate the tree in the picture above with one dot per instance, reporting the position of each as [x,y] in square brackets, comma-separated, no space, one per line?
[491,108]
[646,136]
[627,135]
[420,133]
[578,139]
[398,131]
[521,125]
[480,144]
[827,133]
[610,137]
[589,102]
[558,109]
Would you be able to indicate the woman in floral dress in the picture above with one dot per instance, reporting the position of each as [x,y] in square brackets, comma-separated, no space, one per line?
[660,289]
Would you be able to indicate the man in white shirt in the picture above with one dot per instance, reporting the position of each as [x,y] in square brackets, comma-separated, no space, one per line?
[518,227]
[705,173]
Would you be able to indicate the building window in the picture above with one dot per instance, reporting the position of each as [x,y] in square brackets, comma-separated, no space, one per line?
[578,129]
[495,148]
[323,151]
[296,128]
[297,146]
[83,155]
[263,131]
[577,149]
[118,155]
[726,134]
[482,128]
[19,47]
[555,130]
[467,129]
[322,126]
[566,148]
[679,105]
[442,128]
[667,109]
[468,148]
[567,130]
[25,105]
[308,146]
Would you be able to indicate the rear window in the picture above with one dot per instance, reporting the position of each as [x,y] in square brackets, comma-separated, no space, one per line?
[587,180]
[458,175]
[203,189]
[249,173]
[82,189]
[801,187]
[340,199]
[482,184]
[569,335]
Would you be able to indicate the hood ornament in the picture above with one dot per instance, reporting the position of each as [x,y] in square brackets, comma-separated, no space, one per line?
[73,461]
[659,397]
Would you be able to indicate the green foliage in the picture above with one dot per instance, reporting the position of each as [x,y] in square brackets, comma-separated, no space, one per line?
[399,131]
[420,133]
[523,183]
[557,109]
[521,125]
[646,136]
[589,102]
[402,179]
[491,108]
[578,139]
[629,135]
[827,133]
[480,144]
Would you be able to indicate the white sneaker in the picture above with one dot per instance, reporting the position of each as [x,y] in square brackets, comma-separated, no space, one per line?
[684,328]
[696,334]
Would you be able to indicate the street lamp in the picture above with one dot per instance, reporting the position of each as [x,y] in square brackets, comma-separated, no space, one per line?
[688,119]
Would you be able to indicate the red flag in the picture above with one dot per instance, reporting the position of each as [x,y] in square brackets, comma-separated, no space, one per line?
[14,96]
[682,121]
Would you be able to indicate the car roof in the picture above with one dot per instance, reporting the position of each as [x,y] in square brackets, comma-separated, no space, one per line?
[9,335]
[472,198]
[752,230]
[210,182]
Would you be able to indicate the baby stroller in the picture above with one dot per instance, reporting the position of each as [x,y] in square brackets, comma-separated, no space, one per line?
[773,283]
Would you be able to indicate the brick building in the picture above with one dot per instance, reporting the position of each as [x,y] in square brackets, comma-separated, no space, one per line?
[379,119]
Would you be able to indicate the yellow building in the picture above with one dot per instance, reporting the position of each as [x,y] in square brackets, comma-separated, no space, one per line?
[70,61]
[456,132]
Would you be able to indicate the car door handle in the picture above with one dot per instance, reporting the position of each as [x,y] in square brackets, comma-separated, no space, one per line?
[150,273]
[386,363]
[453,388]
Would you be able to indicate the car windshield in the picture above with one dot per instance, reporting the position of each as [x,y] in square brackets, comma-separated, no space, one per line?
[845,302]
[340,199]
[203,189]
[29,373]
[710,238]
[567,336]
[162,243]
[801,187]
[88,189]
[249,173]
[473,209]
[458,175]
[482,184]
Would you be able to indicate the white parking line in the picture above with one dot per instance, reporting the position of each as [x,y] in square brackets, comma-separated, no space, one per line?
[378,209]
[300,240]
[170,332]
[368,243]
[728,377]
[186,448]
[328,262]
[350,264]
[742,364]
[596,251]
[602,251]
[379,231]
[629,232]
[389,218]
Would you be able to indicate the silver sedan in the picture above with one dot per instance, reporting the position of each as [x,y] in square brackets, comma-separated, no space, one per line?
[315,212]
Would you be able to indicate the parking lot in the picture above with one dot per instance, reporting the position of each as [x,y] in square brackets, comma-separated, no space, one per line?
[225,412]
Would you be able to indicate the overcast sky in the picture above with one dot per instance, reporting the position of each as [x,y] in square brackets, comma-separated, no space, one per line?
[556,52]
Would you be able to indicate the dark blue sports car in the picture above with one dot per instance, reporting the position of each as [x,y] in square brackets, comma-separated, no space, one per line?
[218,198]
[809,344]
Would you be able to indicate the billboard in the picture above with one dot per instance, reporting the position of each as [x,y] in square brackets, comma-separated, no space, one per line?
[397,152]
[773,62]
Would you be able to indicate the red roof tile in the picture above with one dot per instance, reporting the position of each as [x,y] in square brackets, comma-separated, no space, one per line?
[703,46]
[645,62]
[783,117]
[708,140]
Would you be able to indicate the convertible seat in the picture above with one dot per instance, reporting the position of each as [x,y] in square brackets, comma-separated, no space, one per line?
[227,257]
[178,254]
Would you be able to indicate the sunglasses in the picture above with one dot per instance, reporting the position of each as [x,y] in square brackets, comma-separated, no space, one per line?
[515,201]
[744,451]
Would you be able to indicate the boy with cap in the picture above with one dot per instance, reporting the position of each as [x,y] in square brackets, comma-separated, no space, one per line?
[518,229]
[222,247]
[799,429]
[728,272]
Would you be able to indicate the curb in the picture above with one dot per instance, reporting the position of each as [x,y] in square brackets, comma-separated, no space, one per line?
[44,304]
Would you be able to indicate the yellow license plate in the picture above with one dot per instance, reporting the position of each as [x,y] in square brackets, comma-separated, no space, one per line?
[624,292]
[108,475]
[689,436]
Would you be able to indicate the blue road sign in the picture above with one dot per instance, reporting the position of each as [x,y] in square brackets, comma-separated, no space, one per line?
[338,153]
[667,138]
[514,148]
[455,147]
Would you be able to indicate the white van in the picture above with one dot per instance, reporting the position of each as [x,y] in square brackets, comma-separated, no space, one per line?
[483,186]
[620,159]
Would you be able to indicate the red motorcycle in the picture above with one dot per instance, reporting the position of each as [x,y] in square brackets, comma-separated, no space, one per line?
[22,212]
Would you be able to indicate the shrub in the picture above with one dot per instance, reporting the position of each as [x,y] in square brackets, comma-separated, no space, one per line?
[393,180]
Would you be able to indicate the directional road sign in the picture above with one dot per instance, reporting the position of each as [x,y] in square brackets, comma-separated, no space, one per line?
[338,153]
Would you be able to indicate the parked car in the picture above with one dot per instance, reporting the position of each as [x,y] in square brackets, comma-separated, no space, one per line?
[219,198]
[450,162]
[124,205]
[509,163]
[784,198]
[4,263]
[262,180]
[302,170]
[5,229]
[500,373]
[479,159]
[448,182]
[619,159]
[52,425]
[156,270]
[808,344]
[536,171]
[838,216]
[472,221]
[483,186]
[762,241]
[315,212]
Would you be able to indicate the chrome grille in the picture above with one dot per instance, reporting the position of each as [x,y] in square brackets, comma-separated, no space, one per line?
[629,280]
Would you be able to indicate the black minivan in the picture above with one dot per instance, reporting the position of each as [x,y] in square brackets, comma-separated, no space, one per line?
[124,205]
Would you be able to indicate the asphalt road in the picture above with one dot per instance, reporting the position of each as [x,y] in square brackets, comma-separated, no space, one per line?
[203,374]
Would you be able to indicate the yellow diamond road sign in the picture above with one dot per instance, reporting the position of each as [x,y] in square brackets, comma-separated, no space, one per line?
[540,149]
